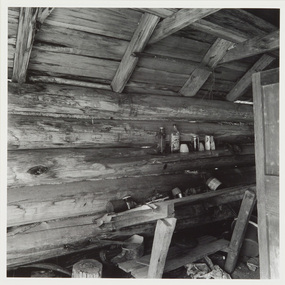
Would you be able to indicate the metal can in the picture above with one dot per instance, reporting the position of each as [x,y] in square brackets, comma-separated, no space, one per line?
[196,143]
[207,142]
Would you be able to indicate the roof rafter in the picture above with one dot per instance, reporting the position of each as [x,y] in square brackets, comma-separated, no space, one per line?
[255,46]
[30,20]
[245,81]
[25,38]
[199,76]
[138,42]
[178,21]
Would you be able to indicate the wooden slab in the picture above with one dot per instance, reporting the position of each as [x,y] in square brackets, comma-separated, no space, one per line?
[25,39]
[139,40]
[178,21]
[254,46]
[175,259]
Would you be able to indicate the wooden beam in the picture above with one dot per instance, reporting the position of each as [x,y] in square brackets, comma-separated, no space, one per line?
[162,238]
[88,103]
[55,166]
[255,46]
[245,211]
[24,44]
[246,80]
[178,21]
[199,76]
[43,14]
[139,40]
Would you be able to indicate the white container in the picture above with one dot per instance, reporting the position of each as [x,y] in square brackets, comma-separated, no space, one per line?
[184,148]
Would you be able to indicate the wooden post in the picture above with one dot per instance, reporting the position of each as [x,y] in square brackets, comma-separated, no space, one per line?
[240,230]
[87,268]
[162,238]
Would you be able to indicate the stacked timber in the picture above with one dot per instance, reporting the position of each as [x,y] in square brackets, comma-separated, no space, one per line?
[72,149]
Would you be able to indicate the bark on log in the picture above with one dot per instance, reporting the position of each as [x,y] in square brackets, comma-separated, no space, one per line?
[54,166]
[86,103]
[37,132]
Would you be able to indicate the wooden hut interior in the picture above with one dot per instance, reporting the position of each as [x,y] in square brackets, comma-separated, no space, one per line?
[142,139]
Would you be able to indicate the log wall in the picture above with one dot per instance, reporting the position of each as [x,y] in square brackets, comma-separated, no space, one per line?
[72,149]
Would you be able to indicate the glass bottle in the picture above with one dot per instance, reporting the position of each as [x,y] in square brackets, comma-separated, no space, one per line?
[175,140]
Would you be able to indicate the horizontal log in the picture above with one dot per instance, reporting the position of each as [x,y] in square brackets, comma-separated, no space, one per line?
[37,132]
[54,166]
[40,203]
[86,102]
[46,202]
[49,241]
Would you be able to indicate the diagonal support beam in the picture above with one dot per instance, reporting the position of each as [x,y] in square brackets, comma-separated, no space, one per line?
[199,76]
[246,80]
[178,21]
[139,40]
[24,44]
[255,46]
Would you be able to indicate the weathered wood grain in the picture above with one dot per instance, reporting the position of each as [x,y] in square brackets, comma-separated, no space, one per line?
[25,39]
[62,40]
[139,40]
[246,80]
[38,132]
[28,168]
[160,12]
[241,21]
[178,21]
[42,203]
[50,237]
[254,46]
[72,64]
[199,76]
[70,101]
[112,22]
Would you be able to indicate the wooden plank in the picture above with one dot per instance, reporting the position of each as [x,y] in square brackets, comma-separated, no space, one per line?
[211,59]
[58,80]
[246,80]
[54,166]
[25,39]
[160,12]
[72,64]
[117,23]
[270,76]
[178,21]
[254,46]
[177,258]
[162,238]
[138,42]
[62,40]
[271,129]
[237,238]
[71,101]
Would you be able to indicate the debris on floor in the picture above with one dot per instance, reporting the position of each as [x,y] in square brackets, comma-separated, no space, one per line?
[253,263]
[206,271]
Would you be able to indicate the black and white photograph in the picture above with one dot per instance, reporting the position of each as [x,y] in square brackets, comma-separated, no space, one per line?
[140,140]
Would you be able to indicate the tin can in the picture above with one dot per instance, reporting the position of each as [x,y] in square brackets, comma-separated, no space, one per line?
[196,143]
[207,142]
[214,184]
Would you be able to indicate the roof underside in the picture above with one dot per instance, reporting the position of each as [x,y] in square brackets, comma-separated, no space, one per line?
[87,45]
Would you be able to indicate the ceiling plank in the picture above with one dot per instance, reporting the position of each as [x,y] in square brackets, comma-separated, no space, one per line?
[139,40]
[254,46]
[24,44]
[245,81]
[178,21]
[199,76]
[160,12]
